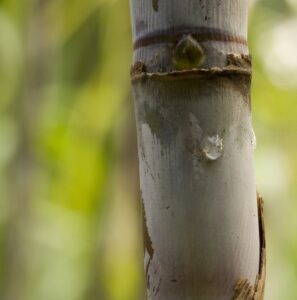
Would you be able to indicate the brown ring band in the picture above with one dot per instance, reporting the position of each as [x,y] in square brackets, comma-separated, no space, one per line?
[201,34]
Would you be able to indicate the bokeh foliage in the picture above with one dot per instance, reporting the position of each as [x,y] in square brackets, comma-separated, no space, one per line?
[69,221]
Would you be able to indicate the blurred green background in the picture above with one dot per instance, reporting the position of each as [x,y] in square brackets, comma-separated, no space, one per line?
[69,214]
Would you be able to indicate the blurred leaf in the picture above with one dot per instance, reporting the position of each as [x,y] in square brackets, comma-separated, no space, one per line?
[10,59]
[80,54]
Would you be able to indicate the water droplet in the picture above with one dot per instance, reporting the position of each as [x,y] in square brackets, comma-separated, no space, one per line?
[254,140]
[212,147]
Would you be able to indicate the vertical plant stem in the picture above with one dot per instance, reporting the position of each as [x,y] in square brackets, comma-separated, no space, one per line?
[191,81]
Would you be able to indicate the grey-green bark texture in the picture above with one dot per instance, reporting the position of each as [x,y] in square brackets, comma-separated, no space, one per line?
[191,75]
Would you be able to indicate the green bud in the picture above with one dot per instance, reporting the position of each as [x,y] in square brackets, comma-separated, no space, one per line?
[187,54]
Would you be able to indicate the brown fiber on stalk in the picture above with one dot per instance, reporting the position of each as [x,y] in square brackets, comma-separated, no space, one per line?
[239,60]
[148,246]
[238,71]
[194,73]
[244,290]
[137,68]
[237,64]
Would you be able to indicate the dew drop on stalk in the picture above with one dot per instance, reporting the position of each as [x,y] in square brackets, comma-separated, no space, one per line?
[212,147]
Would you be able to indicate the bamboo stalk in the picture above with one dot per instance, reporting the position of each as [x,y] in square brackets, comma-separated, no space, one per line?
[191,79]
